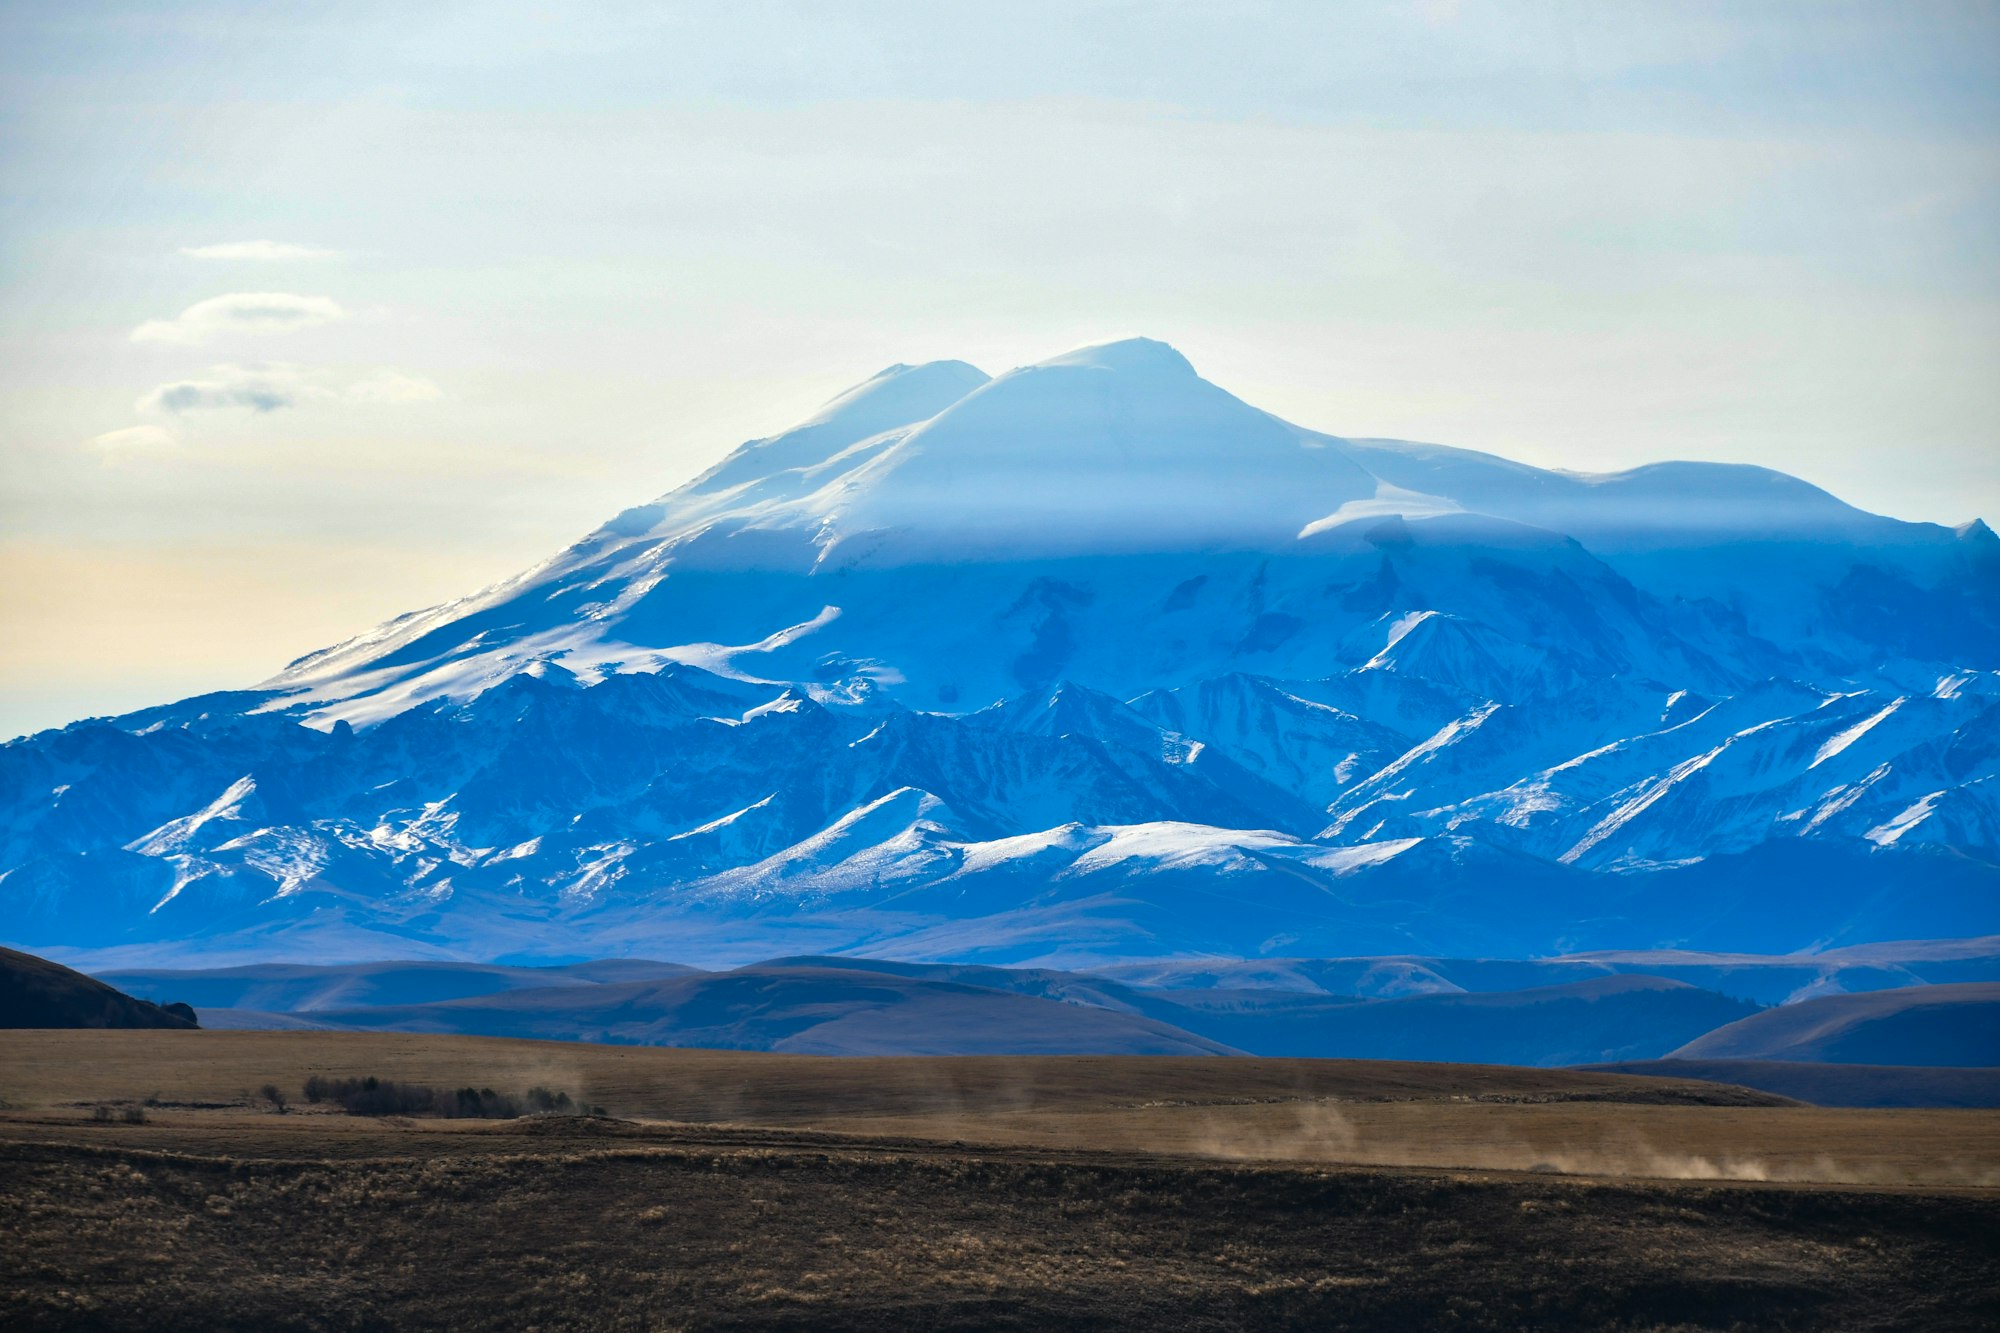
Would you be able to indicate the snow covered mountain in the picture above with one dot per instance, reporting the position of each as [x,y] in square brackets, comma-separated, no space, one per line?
[1090,660]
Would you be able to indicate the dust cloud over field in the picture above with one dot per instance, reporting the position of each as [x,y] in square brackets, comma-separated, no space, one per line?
[1600,1144]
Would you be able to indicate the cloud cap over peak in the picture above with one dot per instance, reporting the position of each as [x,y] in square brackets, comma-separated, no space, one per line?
[1145,356]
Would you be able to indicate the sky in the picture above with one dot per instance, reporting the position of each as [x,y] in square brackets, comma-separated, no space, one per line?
[312,314]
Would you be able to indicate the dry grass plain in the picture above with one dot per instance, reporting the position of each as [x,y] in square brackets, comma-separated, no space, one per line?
[741,1189]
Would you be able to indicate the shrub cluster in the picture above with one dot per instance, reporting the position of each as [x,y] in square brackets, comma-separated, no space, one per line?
[105,1113]
[381,1096]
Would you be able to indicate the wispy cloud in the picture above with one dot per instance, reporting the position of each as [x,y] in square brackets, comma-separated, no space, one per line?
[392,386]
[137,437]
[258,251]
[241,312]
[269,388]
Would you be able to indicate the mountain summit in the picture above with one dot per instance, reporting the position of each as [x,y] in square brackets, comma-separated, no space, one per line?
[1057,663]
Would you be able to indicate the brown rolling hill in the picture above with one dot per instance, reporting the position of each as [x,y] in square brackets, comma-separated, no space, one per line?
[1835,1084]
[1952,1025]
[37,993]
[857,1006]
[291,988]
[801,1010]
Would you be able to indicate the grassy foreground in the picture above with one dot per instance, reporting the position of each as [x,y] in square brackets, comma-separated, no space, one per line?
[924,1194]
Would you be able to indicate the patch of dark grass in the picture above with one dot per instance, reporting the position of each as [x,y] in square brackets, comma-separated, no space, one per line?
[817,1236]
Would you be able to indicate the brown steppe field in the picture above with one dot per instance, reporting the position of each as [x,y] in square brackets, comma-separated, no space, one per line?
[731,1189]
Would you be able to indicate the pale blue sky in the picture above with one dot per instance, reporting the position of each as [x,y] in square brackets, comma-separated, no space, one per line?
[531,264]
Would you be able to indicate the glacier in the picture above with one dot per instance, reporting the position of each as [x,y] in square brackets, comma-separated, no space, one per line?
[1087,662]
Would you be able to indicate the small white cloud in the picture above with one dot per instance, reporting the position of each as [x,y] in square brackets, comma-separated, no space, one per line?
[137,437]
[262,252]
[241,312]
[270,387]
[393,386]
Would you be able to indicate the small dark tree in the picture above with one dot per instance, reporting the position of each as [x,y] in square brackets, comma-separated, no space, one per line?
[541,1099]
[275,1095]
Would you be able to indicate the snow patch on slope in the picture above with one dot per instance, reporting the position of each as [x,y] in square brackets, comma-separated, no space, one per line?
[1853,734]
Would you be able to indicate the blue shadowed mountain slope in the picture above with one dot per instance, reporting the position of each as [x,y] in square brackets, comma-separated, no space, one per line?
[1084,662]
